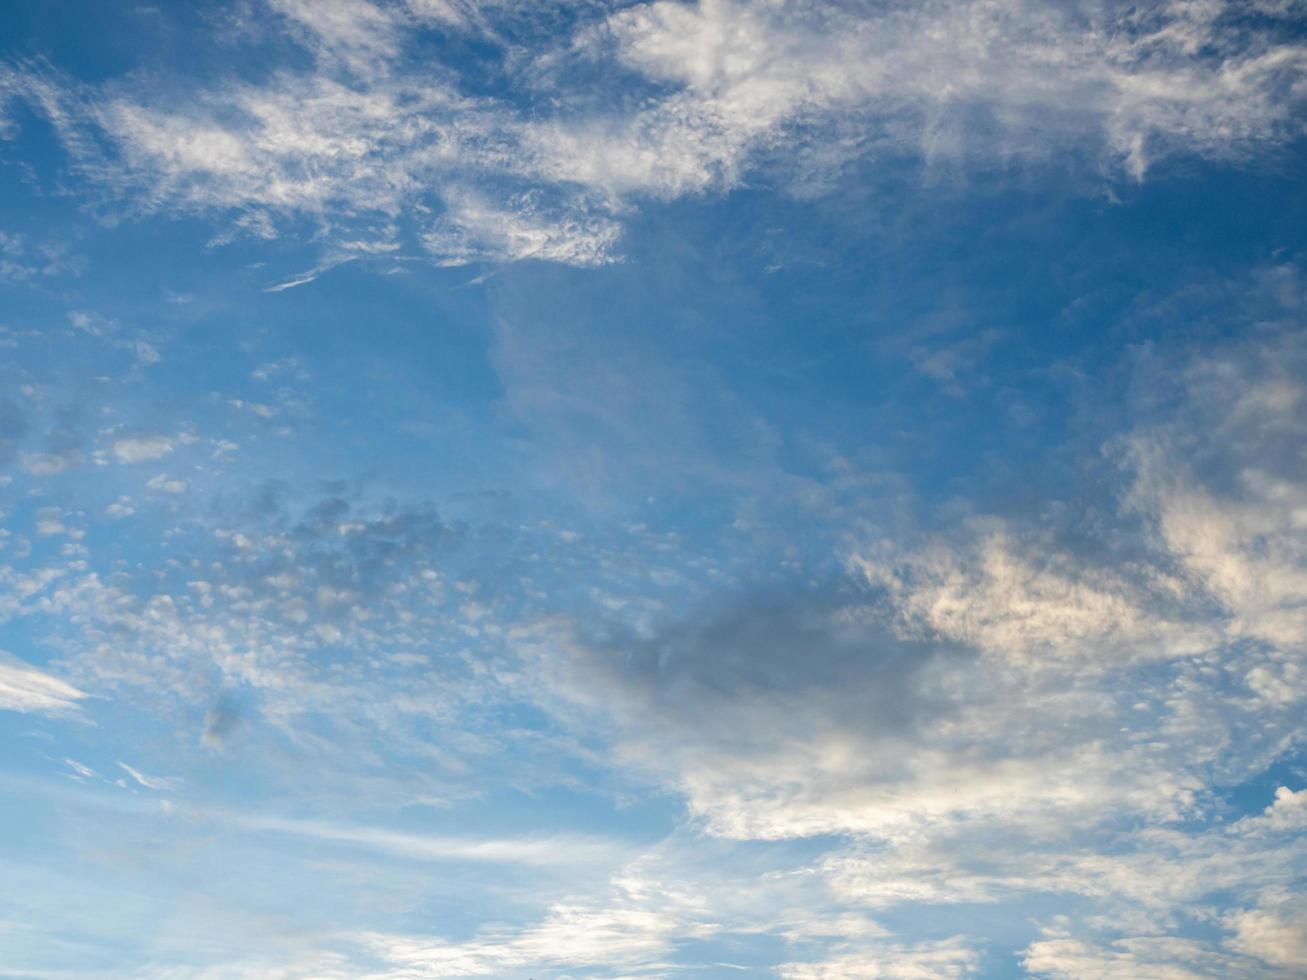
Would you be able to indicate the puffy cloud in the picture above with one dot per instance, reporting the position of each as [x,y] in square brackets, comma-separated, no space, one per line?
[167,484]
[141,449]
[1023,600]
[50,464]
[1275,932]
[780,718]
[1245,545]
[1287,812]
[49,520]
[120,508]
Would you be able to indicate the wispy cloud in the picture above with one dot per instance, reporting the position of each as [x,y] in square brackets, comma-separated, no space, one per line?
[25,688]
[150,782]
[542,851]
[303,280]
[731,92]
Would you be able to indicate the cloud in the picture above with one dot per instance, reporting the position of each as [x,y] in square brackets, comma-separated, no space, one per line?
[1245,544]
[50,464]
[85,772]
[150,782]
[785,716]
[303,280]
[358,33]
[221,722]
[141,449]
[1287,812]
[26,689]
[326,631]
[709,96]
[24,262]
[166,484]
[542,851]
[991,712]
[120,508]
[1003,676]
[776,716]
[1154,957]
[473,228]
[1025,600]
[50,521]
[774,729]
[1275,932]
[637,924]
[949,958]
[256,408]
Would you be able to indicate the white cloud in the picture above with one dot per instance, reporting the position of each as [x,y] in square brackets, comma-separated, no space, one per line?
[1145,957]
[1275,932]
[24,261]
[50,521]
[167,484]
[141,449]
[303,280]
[146,353]
[636,925]
[85,772]
[1023,600]
[721,91]
[951,958]
[120,508]
[150,782]
[256,408]
[474,229]
[1288,812]
[26,689]
[49,464]
[360,33]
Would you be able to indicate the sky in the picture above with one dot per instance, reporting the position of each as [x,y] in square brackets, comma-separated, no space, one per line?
[794,488]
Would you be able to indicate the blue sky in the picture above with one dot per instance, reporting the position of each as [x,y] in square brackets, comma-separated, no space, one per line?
[779,489]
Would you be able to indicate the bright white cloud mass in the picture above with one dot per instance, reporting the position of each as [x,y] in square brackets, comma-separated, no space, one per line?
[706,489]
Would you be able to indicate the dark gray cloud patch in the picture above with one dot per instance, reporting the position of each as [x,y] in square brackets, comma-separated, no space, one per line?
[222,721]
[770,648]
[774,714]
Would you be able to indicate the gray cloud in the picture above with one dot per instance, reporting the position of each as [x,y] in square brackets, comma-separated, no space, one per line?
[222,721]
[751,655]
